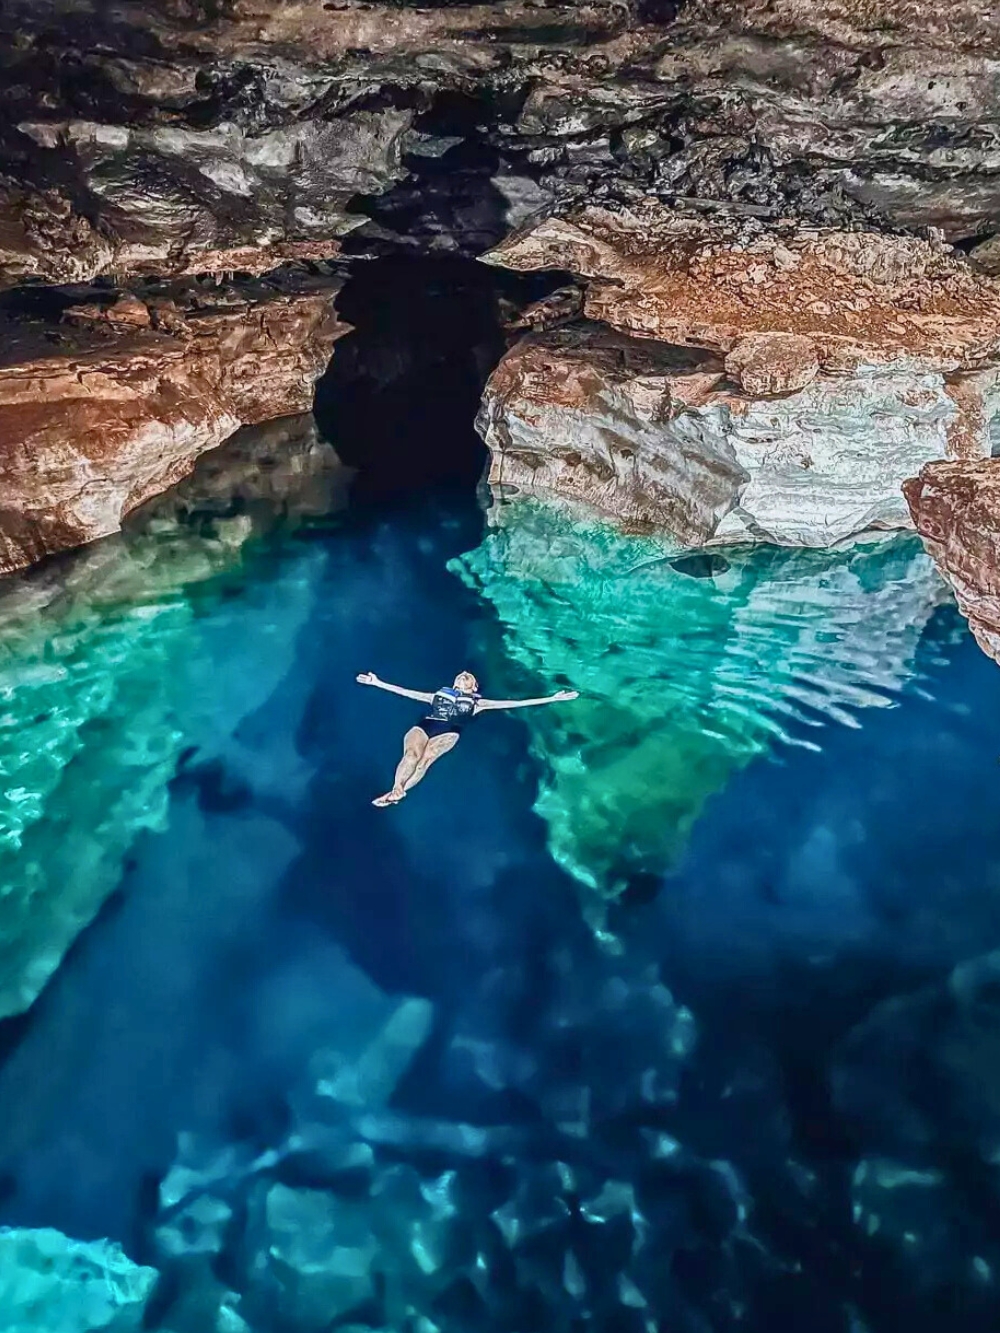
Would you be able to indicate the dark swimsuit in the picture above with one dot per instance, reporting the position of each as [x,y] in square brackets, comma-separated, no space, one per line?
[451,710]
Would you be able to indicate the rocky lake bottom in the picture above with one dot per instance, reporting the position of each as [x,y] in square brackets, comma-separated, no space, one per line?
[675,1008]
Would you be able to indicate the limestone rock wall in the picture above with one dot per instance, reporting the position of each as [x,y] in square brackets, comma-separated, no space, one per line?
[760,384]
[127,397]
[774,182]
[956,509]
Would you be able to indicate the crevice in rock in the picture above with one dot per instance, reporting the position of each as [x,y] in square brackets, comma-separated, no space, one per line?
[399,400]
[448,201]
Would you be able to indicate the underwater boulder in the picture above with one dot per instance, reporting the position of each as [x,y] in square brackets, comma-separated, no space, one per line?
[104,681]
[51,1284]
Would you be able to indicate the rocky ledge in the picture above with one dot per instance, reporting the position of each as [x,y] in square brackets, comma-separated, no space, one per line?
[734,382]
[114,402]
[780,222]
[956,509]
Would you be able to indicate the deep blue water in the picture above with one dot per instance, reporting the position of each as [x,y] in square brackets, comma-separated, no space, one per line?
[769,1104]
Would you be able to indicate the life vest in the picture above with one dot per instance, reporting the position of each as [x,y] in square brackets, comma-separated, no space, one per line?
[451,705]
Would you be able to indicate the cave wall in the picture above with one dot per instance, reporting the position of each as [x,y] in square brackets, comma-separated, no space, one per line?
[823,173]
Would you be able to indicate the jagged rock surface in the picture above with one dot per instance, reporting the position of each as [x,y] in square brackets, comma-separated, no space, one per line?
[748,168]
[51,1284]
[851,359]
[659,438]
[175,200]
[859,298]
[956,509]
[118,405]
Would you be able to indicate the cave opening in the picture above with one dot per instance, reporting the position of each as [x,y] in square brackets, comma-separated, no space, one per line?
[400,397]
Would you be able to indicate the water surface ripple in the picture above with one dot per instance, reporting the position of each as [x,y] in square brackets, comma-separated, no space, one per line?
[675,1009]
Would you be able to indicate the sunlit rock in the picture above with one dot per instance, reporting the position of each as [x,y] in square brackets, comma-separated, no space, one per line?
[96,697]
[51,1284]
[100,416]
[683,679]
[823,368]
[660,438]
[956,508]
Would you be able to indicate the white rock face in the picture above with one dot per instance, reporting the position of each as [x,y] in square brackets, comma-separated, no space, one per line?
[659,438]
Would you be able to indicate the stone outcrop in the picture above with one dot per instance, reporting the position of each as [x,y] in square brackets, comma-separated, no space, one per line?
[956,509]
[839,363]
[861,299]
[173,200]
[114,405]
[769,181]
[661,438]
[893,105]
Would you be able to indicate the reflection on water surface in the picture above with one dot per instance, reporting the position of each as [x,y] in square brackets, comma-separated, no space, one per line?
[314,1066]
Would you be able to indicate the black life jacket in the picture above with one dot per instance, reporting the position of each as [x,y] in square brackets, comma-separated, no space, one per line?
[451,705]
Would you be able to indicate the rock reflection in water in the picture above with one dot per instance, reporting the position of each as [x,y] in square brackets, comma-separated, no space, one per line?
[684,679]
[98,652]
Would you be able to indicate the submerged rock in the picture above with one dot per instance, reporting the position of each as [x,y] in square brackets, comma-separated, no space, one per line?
[682,680]
[93,691]
[917,1082]
[51,1284]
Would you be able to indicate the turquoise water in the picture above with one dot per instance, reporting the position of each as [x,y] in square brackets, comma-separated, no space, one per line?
[674,1008]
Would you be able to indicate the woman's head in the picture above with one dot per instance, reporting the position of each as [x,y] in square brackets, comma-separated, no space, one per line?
[466,682]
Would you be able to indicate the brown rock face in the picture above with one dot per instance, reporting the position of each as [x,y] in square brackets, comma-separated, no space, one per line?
[586,414]
[770,181]
[121,411]
[771,363]
[858,298]
[956,509]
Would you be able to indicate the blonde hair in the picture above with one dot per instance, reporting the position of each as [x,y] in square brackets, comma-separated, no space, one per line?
[466,676]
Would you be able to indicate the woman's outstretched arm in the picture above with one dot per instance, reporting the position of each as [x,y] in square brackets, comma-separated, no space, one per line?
[370,678]
[559,698]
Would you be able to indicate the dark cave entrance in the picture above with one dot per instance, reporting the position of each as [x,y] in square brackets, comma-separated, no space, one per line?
[400,397]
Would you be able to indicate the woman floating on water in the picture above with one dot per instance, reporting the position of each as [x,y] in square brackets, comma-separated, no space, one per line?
[452,707]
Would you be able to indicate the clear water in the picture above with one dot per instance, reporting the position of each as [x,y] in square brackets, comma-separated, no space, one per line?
[674,1009]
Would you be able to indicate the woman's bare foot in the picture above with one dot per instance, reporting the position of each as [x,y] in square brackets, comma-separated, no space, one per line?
[390,798]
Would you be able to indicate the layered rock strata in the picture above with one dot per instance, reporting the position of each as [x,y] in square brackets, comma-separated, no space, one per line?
[736,383]
[755,163]
[115,404]
[956,509]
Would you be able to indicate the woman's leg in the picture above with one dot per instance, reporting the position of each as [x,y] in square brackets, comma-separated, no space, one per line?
[415,742]
[433,750]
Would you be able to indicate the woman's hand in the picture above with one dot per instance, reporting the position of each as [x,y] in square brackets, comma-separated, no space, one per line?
[367,678]
[563,695]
